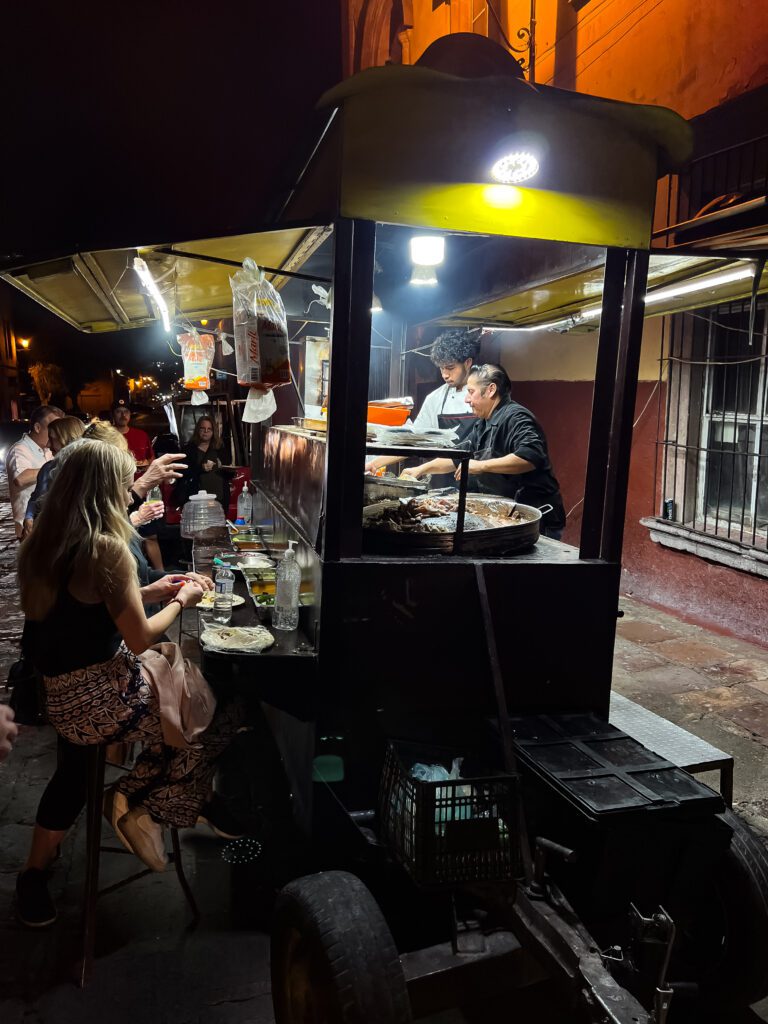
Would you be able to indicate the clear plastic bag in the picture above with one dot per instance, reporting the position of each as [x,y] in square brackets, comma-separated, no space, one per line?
[197,352]
[261,333]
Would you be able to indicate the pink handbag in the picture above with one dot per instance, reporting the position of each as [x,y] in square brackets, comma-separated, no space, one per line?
[186,701]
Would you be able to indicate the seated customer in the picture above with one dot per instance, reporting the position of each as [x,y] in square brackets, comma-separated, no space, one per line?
[64,796]
[61,432]
[80,595]
[205,455]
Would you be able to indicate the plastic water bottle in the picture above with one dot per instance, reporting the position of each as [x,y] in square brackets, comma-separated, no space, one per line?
[222,599]
[245,506]
[288,582]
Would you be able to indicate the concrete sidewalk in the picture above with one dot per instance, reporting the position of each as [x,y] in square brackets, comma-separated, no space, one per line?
[149,966]
[714,686]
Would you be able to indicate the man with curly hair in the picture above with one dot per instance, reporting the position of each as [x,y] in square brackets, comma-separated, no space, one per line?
[453,352]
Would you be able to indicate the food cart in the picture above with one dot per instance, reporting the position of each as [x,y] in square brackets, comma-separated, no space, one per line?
[566,849]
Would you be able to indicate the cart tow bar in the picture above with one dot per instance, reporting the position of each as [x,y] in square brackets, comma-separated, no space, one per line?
[537,888]
[510,761]
[659,930]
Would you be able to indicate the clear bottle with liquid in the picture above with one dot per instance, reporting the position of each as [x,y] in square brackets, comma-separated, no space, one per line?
[245,506]
[288,583]
[222,599]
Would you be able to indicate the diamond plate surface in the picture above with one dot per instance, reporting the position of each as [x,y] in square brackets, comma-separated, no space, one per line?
[662,737]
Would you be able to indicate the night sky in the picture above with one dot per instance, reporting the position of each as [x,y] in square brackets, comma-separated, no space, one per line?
[130,124]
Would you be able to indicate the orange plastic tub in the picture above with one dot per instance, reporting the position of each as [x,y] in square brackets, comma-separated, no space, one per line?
[388,415]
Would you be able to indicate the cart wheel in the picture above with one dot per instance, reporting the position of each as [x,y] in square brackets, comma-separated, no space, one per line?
[731,932]
[333,958]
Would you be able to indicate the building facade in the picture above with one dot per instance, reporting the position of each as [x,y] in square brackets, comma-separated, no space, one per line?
[696,538]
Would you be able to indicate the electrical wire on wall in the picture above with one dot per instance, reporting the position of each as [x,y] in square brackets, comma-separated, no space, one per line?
[634,25]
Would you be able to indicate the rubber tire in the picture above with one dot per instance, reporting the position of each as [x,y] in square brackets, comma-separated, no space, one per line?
[724,940]
[333,957]
[742,886]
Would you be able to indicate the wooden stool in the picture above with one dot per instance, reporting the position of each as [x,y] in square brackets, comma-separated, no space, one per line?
[94,849]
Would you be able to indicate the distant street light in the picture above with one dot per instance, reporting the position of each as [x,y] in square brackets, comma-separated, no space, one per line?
[24,342]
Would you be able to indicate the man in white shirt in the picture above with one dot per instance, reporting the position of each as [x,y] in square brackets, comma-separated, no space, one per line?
[25,459]
[454,352]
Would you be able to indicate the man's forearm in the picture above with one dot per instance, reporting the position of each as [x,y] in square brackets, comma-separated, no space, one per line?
[26,477]
[507,465]
[436,466]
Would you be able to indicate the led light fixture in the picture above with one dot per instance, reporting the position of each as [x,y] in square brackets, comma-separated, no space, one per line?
[427,250]
[148,281]
[423,275]
[376,306]
[703,284]
[512,168]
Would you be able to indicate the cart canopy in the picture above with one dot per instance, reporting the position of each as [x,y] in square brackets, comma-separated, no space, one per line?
[414,146]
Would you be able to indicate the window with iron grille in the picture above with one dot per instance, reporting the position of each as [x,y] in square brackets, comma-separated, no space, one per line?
[715,448]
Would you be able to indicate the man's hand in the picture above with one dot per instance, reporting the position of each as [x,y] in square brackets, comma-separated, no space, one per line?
[8,731]
[147,513]
[162,590]
[166,469]
[27,528]
[413,472]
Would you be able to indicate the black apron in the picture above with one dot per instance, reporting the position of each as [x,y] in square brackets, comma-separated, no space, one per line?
[462,423]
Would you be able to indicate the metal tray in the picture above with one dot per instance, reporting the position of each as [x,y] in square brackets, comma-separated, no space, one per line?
[498,540]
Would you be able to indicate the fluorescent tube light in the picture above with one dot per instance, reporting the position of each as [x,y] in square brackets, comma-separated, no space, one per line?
[703,284]
[148,281]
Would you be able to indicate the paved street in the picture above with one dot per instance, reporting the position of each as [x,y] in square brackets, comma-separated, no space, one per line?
[150,966]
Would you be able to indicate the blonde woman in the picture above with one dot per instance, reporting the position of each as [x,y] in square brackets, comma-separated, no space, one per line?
[84,609]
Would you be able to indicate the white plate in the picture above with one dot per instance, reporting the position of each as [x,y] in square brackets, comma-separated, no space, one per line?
[209,596]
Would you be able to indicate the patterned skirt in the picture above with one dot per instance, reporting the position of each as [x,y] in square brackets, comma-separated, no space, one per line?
[111,702]
[101,703]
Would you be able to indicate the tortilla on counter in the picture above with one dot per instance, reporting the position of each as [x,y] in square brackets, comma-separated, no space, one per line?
[248,639]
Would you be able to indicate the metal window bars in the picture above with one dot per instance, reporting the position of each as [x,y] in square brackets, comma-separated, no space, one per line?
[713,452]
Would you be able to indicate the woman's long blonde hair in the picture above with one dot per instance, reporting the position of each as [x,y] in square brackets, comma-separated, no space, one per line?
[100,430]
[83,524]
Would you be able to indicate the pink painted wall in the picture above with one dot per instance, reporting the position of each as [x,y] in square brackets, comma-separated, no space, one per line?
[711,595]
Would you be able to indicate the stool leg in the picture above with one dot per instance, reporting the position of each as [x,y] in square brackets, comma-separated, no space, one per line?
[179,866]
[96,761]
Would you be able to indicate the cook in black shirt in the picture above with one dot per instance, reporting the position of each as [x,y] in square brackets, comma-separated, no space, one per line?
[509,449]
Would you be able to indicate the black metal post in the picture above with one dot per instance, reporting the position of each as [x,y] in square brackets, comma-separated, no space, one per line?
[602,402]
[348,388]
[628,365]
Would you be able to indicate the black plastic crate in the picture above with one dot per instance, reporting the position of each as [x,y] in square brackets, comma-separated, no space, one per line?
[448,832]
[604,772]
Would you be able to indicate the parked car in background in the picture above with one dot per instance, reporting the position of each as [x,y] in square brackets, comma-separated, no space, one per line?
[11,431]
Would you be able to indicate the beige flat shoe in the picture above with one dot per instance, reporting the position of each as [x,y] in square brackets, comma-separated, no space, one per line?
[115,807]
[145,837]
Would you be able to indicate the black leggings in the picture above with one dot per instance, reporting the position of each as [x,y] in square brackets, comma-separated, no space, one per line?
[66,793]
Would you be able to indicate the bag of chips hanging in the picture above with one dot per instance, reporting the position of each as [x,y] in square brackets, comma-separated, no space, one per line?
[261,333]
[197,352]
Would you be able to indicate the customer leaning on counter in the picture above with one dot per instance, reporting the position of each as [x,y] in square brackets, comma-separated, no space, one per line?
[510,456]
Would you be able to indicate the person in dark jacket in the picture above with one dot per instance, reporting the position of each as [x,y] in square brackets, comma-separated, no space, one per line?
[510,455]
[205,455]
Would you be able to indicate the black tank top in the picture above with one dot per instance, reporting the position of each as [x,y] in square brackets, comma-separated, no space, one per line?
[73,635]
